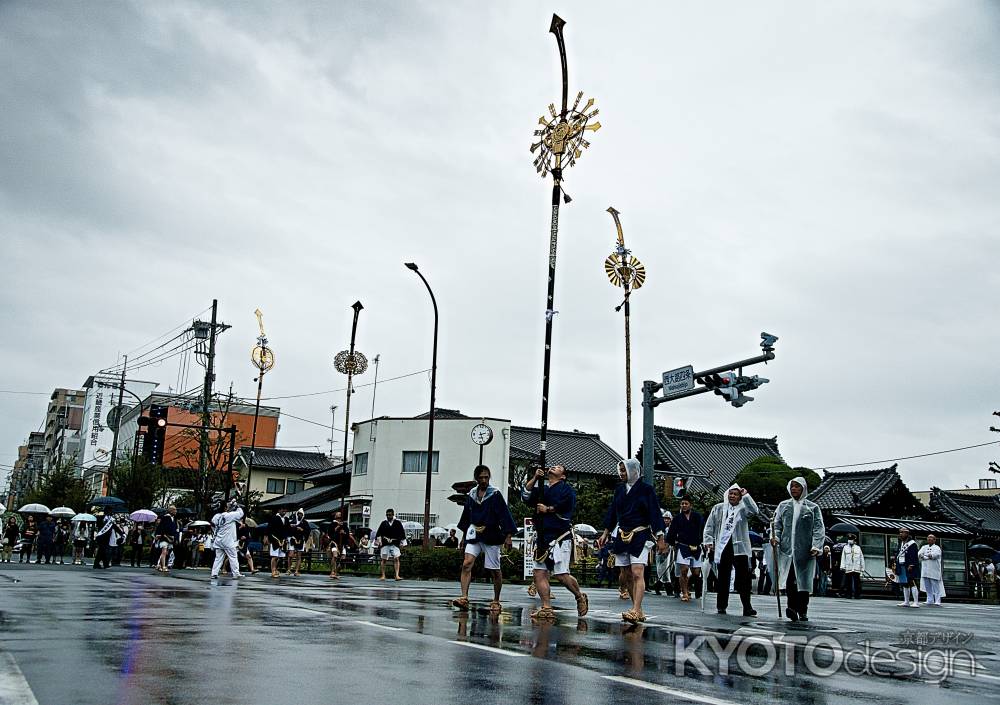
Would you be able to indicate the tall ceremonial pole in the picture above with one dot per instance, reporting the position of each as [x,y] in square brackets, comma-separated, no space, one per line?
[561,142]
[628,272]
[350,362]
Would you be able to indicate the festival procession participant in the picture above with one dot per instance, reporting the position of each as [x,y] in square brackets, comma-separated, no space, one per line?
[907,569]
[727,542]
[298,528]
[634,516]
[685,532]
[340,537]
[664,564]
[277,532]
[486,524]
[553,504]
[106,539]
[931,574]
[166,535]
[798,534]
[623,573]
[852,565]
[224,539]
[390,536]
[243,538]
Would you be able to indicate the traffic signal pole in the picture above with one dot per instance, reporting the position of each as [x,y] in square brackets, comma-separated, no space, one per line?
[650,401]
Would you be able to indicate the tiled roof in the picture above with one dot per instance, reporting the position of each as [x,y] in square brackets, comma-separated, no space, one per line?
[305,498]
[582,453]
[918,527]
[443,414]
[710,459]
[856,489]
[336,472]
[978,514]
[287,460]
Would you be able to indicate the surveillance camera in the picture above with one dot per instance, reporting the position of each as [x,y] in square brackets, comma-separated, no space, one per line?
[767,340]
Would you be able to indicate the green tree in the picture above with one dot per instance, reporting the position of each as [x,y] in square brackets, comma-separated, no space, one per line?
[60,487]
[766,479]
[140,485]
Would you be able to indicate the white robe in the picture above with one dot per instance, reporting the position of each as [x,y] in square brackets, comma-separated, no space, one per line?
[931,568]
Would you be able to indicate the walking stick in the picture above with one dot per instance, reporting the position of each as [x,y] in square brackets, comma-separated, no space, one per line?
[704,577]
[774,561]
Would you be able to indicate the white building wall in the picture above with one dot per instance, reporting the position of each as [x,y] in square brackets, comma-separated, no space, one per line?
[458,456]
[95,436]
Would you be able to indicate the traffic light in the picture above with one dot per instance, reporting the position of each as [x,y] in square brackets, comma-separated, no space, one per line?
[156,434]
[680,486]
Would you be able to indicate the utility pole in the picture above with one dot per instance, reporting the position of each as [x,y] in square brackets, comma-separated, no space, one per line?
[206,411]
[560,139]
[118,423]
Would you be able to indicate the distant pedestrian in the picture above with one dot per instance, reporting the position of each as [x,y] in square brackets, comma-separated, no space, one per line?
[81,537]
[798,535]
[452,540]
[824,568]
[11,533]
[166,537]
[852,563]
[106,540]
[907,569]
[61,539]
[244,538]
[298,529]
[277,533]
[28,534]
[46,539]
[390,536]
[931,571]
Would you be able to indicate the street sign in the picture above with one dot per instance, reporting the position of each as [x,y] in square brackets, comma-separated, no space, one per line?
[677,381]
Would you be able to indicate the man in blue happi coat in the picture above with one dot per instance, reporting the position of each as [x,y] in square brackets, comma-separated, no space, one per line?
[553,504]
[486,524]
[633,519]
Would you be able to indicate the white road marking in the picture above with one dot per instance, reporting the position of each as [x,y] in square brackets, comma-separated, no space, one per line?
[693,697]
[14,689]
[380,626]
[493,649]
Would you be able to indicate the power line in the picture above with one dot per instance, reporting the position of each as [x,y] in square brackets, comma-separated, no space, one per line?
[344,389]
[909,457]
[315,423]
[11,391]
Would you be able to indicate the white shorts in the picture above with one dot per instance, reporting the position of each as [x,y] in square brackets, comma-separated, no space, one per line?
[492,559]
[390,552]
[165,544]
[560,555]
[625,559]
[277,553]
[693,562]
[333,550]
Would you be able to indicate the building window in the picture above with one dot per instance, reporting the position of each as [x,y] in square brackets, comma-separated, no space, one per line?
[415,461]
[953,561]
[873,547]
[360,464]
[294,486]
[988,484]
[275,486]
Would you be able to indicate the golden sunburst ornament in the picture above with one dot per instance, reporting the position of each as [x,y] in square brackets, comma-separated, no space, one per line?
[625,271]
[563,136]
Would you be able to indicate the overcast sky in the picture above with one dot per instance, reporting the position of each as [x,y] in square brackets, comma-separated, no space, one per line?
[827,172]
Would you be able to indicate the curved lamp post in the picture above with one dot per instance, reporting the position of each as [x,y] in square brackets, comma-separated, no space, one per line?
[430,426]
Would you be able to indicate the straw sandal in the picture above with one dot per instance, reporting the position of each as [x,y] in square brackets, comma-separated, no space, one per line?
[495,606]
[633,616]
[544,614]
[582,604]
[623,595]
[532,590]
[461,603]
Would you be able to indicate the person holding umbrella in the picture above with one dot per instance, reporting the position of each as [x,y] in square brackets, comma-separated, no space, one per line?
[799,533]
[46,539]
[106,539]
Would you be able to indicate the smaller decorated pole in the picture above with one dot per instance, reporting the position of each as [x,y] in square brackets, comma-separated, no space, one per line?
[262,358]
[628,272]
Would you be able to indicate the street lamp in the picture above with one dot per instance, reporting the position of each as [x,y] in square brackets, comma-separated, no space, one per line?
[430,425]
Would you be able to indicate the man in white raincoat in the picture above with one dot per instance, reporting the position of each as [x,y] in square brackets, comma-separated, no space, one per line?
[224,538]
[931,575]
[798,534]
[727,542]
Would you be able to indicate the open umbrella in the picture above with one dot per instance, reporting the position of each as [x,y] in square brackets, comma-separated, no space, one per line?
[412,526]
[106,502]
[979,550]
[198,524]
[143,516]
[3,507]
[585,530]
[62,512]
[33,508]
[84,518]
[843,528]
[438,531]
[185,512]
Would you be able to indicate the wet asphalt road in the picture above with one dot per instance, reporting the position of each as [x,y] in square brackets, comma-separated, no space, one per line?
[127,636]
